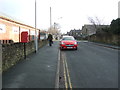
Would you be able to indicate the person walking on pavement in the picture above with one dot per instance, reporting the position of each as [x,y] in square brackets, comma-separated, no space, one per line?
[50,39]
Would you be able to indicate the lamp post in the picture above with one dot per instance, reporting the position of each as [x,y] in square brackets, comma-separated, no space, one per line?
[50,20]
[36,42]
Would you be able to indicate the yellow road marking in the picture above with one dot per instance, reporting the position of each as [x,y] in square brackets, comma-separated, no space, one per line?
[69,80]
[66,85]
[66,72]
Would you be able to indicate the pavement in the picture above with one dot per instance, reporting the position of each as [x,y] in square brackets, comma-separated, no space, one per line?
[38,70]
[106,45]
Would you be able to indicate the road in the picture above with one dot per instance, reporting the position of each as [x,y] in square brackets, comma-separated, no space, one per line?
[91,66]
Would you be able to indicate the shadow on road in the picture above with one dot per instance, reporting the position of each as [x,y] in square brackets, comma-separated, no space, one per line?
[68,50]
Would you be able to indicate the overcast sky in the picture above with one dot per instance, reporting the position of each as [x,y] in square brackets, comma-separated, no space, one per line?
[70,14]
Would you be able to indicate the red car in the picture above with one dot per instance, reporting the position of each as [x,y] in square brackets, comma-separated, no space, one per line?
[68,42]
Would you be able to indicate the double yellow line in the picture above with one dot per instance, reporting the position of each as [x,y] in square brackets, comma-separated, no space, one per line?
[67,79]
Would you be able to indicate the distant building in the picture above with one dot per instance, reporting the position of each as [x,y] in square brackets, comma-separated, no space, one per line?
[88,30]
[75,33]
[43,35]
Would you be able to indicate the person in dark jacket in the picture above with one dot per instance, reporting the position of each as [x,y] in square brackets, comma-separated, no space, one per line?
[50,39]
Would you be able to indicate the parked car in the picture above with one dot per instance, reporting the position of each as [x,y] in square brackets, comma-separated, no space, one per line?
[68,42]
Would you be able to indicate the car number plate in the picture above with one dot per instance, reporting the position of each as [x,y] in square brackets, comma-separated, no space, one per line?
[69,47]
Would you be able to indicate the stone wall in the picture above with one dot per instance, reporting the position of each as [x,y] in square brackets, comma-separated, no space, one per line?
[12,53]
[107,39]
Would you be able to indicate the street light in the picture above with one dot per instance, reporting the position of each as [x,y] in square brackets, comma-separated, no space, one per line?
[36,43]
[50,19]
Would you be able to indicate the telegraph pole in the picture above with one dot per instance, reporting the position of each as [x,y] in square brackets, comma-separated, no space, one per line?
[54,25]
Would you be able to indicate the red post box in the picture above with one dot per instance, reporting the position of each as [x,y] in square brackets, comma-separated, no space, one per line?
[24,37]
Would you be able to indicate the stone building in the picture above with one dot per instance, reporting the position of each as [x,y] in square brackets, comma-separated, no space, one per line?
[88,30]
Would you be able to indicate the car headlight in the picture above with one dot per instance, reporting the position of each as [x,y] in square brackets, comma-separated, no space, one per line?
[75,43]
[62,43]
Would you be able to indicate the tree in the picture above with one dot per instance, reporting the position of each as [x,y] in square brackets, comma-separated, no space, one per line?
[99,25]
[55,30]
[115,26]
[95,21]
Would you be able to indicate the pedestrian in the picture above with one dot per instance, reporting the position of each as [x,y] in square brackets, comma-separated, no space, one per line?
[50,39]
